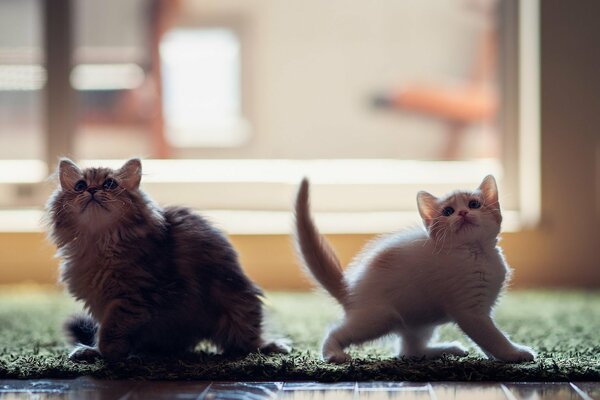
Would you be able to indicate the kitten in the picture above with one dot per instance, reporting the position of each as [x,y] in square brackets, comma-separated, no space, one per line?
[410,282]
[154,281]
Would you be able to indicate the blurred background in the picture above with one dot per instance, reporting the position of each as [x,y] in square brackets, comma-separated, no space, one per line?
[231,102]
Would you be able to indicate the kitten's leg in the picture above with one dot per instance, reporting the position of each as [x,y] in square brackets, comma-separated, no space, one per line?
[485,333]
[415,344]
[358,327]
[121,322]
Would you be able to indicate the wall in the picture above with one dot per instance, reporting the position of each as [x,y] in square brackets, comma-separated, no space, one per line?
[313,67]
[566,247]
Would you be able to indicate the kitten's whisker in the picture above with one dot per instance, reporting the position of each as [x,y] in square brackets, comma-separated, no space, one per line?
[446,232]
[440,240]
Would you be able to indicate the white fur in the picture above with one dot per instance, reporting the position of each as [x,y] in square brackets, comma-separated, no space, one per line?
[410,282]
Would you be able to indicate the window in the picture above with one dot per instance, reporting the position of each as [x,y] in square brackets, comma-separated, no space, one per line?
[201,87]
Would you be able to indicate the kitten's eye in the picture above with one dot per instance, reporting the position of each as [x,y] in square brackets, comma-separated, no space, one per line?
[80,186]
[109,184]
[474,204]
[448,211]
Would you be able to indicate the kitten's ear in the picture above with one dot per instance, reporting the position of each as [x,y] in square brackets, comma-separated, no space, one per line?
[68,173]
[489,190]
[130,174]
[428,205]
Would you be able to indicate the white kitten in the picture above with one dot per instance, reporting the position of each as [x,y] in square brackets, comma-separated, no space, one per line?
[410,282]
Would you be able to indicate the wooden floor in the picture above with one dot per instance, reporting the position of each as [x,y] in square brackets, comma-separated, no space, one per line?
[87,388]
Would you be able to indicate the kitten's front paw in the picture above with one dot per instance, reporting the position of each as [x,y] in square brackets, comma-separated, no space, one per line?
[519,353]
[336,358]
[275,347]
[85,354]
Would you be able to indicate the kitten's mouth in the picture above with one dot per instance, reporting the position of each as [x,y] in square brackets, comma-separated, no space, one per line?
[95,202]
[465,224]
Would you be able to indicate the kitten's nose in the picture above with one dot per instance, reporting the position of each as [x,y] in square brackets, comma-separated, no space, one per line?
[92,190]
[462,213]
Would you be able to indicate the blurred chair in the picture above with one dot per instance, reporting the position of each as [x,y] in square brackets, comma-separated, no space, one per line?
[462,105]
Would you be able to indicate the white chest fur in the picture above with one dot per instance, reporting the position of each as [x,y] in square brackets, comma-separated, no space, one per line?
[475,275]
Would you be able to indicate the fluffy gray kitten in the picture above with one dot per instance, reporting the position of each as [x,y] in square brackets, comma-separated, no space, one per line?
[408,283]
[154,281]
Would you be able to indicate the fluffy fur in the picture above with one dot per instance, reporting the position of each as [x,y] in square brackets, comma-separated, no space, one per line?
[154,281]
[410,282]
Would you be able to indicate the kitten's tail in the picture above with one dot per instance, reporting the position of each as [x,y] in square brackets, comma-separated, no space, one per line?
[316,253]
[81,328]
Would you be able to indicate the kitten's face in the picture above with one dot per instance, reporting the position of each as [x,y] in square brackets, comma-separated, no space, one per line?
[94,199]
[462,216]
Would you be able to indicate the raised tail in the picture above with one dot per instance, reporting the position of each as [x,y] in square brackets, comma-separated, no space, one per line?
[316,253]
[81,328]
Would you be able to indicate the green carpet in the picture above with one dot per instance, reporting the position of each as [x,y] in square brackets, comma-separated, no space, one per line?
[563,327]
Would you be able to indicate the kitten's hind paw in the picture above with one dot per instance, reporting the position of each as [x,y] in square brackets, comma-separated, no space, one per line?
[336,358]
[114,351]
[519,353]
[275,347]
[85,354]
